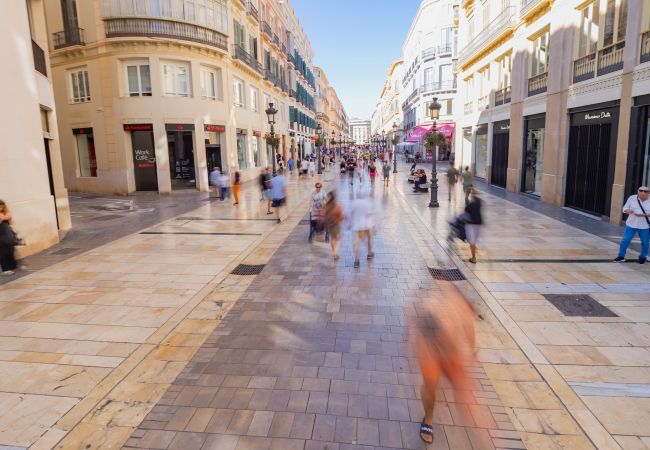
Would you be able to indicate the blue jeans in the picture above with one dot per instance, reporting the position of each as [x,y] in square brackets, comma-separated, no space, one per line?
[628,235]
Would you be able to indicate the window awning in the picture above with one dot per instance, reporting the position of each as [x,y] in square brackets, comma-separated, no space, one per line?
[417,133]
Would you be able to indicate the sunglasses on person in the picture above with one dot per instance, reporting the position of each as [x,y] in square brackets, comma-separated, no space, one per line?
[644,190]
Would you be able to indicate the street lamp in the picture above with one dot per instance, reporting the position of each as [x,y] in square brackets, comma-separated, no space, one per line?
[434,113]
[340,143]
[270,114]
[319,145]
[333,143]
[395,130]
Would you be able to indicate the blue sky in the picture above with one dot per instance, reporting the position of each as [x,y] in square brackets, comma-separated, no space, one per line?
[355,41]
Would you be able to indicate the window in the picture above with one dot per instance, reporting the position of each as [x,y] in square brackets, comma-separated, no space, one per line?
[253,46]
[138,78]
[588,39]
[505,69]
[240,35]
[86,152]
[539,59]
[283,111]
[255,100]
[176,80]
[255,146]
[485,81]
[267,100]
[210,83]
[241,151]
[79,85]
[450,109]
[428,76]
[238,92]
[446,75]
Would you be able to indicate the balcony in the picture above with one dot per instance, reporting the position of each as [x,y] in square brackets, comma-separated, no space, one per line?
[241,2]
[266,28]
[444,50]
[483,102]
[645,47]
[502,96]
[68,38]
[292,93]
[439,86]
[251,10]
[528,6]
[503,23]
[271,77]
[276,40]
[242,55]
[291,59]
[283,48]
[584,68]
[428,53]
[39,59]
[610,58]
[159,27]
[537,84]
[469,107]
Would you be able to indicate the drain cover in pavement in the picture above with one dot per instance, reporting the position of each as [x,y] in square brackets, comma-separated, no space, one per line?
[65,251]
[248,269]
[446,274]
[579,305]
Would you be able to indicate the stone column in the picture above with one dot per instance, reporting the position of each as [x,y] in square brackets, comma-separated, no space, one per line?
[518,92]
[630,58]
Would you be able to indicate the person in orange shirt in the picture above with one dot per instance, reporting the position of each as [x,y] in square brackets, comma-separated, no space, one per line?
[444,344]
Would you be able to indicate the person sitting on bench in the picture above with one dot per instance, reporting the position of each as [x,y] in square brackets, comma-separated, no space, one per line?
[421,179]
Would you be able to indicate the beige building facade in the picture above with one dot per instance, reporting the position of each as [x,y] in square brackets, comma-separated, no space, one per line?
[155,94]
[389,110]
[555,96]
[31,176]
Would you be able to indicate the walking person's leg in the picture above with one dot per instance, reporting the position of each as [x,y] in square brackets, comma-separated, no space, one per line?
[644,235]
[357,248]
[371,254]
[7,258]
[628,235]
[235,193]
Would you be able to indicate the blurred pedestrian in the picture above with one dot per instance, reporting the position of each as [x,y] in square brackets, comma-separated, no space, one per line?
[473,222]
[372,171]
[386,172]
[236,184]
[333,218]
[362,222]
[467,183]
[359,169]
[444,345]
[214,180]
[452,178]
[312,168]
[8,241]
[290,164]
[637,207]
[224,185]
[316,209]
[278,192]
[304,167]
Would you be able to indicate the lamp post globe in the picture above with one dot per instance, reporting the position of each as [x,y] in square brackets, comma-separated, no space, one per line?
[270,115]
[434,113]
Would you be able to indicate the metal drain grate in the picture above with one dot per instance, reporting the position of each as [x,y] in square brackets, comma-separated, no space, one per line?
[248,269]
[579,305]
[446,274]
[65,251]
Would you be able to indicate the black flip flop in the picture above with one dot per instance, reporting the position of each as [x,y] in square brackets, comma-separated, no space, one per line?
[427,430]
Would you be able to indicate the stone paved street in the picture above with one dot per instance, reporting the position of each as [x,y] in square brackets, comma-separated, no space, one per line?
[150,342]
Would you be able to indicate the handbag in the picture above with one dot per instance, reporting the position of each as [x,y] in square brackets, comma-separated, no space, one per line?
[641,206]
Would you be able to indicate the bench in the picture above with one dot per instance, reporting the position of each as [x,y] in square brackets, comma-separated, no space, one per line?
[411,179]
[424,187]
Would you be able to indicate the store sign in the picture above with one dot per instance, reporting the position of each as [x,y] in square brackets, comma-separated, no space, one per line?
[216,128]
[501,127]
[242,131]
[82,131]
[138,127]
[179,127]
[593,117]
[600,115]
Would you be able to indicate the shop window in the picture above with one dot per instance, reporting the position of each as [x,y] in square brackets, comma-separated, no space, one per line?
[86,152]
[241,151]
[79,85]
[176,79]
[255,99]
[138,78]
[210,83]
[255,146]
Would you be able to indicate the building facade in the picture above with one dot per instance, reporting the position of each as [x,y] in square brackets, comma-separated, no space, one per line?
[389,110]
[330,113]
[556,99]
[360,131]
[429,52]
[31,176]
[154,94]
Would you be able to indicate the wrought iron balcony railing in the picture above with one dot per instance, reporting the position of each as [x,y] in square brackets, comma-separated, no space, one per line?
[645,47]
[68,38]
[428,53]
[292,93]
[502,96]
[469,107]
[276,40]
[506,19]
[251,10]
[444,85]
[584,68]
[266,28]
[160,27]
[39,58]
[527,6]
[610,58]
[537,84]
[241,54]
[483,102]
[444,50]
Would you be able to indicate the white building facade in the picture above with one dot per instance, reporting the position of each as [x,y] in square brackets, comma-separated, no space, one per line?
[360,131]
[389,110]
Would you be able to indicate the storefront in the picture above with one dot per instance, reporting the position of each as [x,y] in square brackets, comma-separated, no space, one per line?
[242,159]
[86,151]
[500,143]
[466,147]
[481,152]
[591,158]
[256,148]
[213,145]
[638,166]
[534,128]
[180,141]
[144,156]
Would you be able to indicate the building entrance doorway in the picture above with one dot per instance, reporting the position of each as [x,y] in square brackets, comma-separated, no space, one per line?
[180,141]
[500,144]
[144,157]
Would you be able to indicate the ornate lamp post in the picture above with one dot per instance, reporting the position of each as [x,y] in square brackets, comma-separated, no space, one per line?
[434,113]
[270,114]
[319,145]
[395,130]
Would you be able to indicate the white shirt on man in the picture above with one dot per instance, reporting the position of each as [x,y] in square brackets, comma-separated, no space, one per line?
[640,223]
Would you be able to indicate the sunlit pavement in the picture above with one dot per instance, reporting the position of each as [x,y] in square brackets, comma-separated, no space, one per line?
[101,350]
